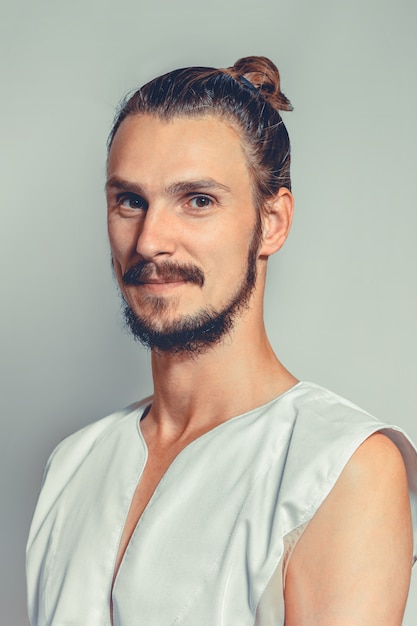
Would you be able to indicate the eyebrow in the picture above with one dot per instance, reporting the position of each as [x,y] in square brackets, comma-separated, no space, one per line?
[119,184]
[186,186]
[191,186]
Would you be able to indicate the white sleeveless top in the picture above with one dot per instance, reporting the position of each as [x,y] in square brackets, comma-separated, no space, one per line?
[211,547]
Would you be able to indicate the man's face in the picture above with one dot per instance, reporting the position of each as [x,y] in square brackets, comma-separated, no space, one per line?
[183,230]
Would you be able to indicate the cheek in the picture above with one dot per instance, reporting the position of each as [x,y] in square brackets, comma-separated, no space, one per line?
[229,260]
[122,243]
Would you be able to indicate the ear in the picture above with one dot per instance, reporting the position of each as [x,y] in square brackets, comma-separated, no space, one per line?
[276,221]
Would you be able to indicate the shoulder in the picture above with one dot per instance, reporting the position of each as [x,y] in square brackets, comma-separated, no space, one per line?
[378,461]
[371,490]
[343,438]
[327,430]
[70,452]
[333,443]
[333,432]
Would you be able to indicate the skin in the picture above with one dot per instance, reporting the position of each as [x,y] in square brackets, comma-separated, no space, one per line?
[352,565]
[181,191]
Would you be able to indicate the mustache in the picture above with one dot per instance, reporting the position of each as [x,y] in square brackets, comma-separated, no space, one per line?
[166,270]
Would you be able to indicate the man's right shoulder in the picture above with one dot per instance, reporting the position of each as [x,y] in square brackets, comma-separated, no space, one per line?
[71,450]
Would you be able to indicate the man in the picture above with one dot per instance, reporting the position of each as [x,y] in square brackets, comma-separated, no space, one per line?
[237,494]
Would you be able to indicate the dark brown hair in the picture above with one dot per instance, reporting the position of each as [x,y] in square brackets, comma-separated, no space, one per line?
[246,95]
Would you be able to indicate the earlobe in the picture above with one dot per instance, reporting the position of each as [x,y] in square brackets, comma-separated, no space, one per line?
[277,220]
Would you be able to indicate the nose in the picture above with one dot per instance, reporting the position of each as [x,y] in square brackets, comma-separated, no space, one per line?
[157,234]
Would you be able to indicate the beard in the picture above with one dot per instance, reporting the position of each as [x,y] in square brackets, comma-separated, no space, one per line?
[189,334]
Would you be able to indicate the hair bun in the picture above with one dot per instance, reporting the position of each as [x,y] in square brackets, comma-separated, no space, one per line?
[264,76]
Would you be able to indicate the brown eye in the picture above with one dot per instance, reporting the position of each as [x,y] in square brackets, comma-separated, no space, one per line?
[201,202]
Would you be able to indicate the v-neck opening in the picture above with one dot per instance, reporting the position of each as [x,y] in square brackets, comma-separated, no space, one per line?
[141,416]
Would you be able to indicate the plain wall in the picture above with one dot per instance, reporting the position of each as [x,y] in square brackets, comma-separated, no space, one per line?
[341,305]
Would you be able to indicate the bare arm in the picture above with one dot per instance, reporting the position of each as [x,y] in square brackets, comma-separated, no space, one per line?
[352,565]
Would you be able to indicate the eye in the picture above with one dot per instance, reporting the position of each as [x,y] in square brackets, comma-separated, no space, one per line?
[201,202]
[131,201]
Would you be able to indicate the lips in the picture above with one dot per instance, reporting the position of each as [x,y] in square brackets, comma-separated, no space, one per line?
[159,281]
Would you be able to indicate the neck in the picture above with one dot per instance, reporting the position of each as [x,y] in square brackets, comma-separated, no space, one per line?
[196,393]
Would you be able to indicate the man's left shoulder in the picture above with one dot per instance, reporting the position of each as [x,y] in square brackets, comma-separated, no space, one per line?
[318,403]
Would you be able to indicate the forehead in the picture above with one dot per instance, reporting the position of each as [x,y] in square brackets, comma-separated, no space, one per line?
[147,146]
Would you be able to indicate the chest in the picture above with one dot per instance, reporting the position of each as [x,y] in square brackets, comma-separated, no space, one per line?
[190,534]
[157,464]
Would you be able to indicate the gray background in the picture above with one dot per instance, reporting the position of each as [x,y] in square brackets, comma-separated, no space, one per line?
[341,303]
